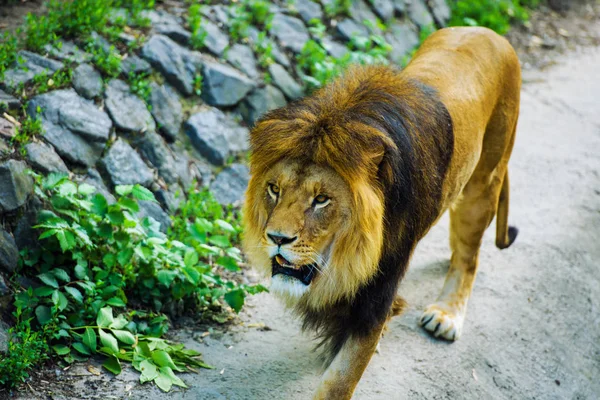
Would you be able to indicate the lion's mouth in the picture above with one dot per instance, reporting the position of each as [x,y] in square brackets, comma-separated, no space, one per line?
[304,274]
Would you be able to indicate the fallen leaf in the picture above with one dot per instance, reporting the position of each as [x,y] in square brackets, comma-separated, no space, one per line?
[93,370]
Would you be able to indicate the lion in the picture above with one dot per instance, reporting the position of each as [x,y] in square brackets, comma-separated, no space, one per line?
[344,183]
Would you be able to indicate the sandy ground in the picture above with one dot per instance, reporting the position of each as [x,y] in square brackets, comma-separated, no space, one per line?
[533,325]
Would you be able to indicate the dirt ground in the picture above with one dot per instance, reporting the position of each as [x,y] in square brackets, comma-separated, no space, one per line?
[533,326]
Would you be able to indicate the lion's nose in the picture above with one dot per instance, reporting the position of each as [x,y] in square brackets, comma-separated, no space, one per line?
[280,240]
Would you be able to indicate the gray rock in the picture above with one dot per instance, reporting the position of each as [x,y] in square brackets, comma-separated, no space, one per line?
[183,166]
[154,149]
[24,233]
[7,129]
[8,102]
[284,81]
[308,10]
[3,337]
[215,41]
[128,111]
[170,199]
[223,85]
[361,12]
[230,185]
[94,179]
[44,158]
[5,300]
[154,211]
[176,63]
[168,25]
[75,127]
[135,65]
[348,28]
[400,6]
[166,109]
[440,11]
[334,48]
[417,11]
[4,149]
[276,52]
[87,81]
[9,253]
[215,135]
[27,66]
[216,13]
[242,57]
[100,42]
[126,38]
[124,166]
[15,185]
[260,101]
[69,52]
[383,8]
[290,32]
[403,37]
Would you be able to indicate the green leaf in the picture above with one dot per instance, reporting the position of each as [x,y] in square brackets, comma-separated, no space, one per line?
[43,291]
[224,225]
[61,274]
[61,349]
[149,371]
[113,365]
[129,204]
[124,256]
[89,339]
[235,299]
[99,205]
[116,217]
[228,263]
[163,359]
[166,277]
[115,302]
[175,379]
[43,314]
[80,347]
[86,189]
[105,317]
[124,336]
[191,258]
[119,322]
[123,190]
[219,240]
[163,382]
[75,293]
[203,225]
[109,341]
[81,272]
[48,279]
[63,302]
[141,193]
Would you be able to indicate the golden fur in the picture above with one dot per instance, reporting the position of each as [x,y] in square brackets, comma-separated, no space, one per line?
[392,151]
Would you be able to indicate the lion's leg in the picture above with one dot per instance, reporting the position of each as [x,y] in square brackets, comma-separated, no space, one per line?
[341,377]
[469,219]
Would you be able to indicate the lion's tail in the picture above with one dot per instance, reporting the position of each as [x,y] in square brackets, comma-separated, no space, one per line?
[505,235]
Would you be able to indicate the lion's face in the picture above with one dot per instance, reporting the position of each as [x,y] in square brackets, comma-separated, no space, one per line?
[301,230]
[305,206]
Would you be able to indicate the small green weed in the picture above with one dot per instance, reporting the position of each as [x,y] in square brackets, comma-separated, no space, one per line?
[139,84]
[247,13]
[108,62]
[30,127]
[198,84]
[494,14]
[264,50]
[195,24]
[338,8]
[26,348]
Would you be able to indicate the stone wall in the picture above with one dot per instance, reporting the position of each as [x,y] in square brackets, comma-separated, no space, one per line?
[102,134]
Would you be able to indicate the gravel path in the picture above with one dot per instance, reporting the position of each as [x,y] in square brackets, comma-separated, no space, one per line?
[533,325]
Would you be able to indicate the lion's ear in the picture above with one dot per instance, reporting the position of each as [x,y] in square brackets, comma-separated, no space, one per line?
[385,171]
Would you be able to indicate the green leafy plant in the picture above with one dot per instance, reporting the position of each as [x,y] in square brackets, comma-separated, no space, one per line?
[494,14]
[8,51]
[338,8]
[29,128]
[139,84]
[195,24]
[198,84]
[97,257]
[247,13]
[44,82]
[27,347]
[264,50]
[108,62]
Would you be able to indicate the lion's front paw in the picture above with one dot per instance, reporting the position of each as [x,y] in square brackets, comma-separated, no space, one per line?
[442,321]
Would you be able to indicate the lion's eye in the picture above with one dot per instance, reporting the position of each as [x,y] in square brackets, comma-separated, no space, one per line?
[273,190]
[321,201]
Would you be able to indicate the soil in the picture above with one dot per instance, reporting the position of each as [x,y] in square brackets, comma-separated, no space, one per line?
[533,325]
